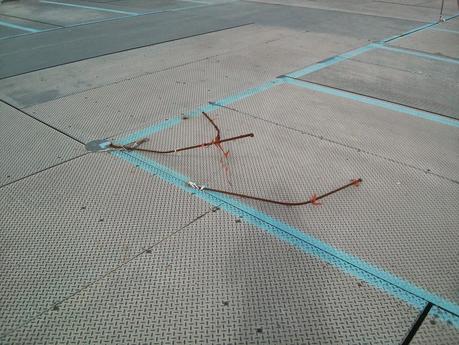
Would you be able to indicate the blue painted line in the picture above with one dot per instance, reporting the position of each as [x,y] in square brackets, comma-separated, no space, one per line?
[391,284]
[96,21]
[452,17]
[29,33]
[376,102]
[426,26]
[331,61]
[420,54]
[12,36]
[444,30]
[89,7]
[176,9]
[136,15]
[198,112]
[19,27]
[112,19]
[249,92]
[199,2]
[412,31]
[342,57]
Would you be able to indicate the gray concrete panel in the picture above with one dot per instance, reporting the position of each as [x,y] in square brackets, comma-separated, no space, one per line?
[65,228]
[13,26]
[29,146]
[73,44]
[127,105]
[148,5]
[96,250]
[431,41]
[297,49]
[37,25]
[412,10]
[401,219]
[83,42]
[223,282]
[52,14]
[7,32]
[413,81]
[452,24]
[336,22]
[406,140]
[433,331]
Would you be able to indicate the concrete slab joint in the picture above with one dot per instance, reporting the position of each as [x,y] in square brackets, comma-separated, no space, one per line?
[316,207]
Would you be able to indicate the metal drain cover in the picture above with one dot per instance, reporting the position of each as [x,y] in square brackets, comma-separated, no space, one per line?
[98,145]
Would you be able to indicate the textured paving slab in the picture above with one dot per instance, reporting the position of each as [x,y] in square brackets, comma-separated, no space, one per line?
[52,14]
[45,85]
[142,6]
[82,42]
[97,251]
[223,282]
[29,146]
[401,219]
[452,24]
[336,22]
[6,32]
[399,138]
[431,41]
[12,26]
[433,331]
[30,24]
[122,107]
[67,227]
[414,81]
[74,44]
[449,6]
[413,10]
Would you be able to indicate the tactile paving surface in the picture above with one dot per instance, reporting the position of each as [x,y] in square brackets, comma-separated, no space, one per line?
[431,41]
[220,281]
[122,107]
[401,219]
[29,146]
[396,77]
[67,227]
